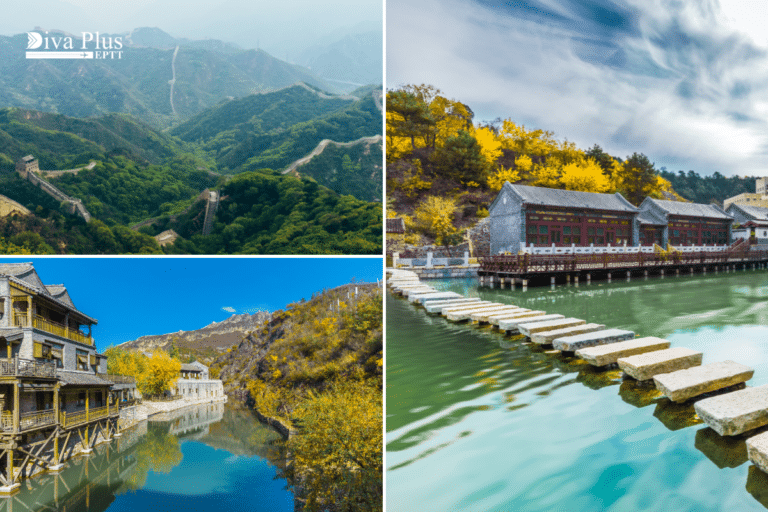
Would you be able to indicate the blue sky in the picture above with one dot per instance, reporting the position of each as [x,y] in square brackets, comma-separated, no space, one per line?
[131,297]
[684,82]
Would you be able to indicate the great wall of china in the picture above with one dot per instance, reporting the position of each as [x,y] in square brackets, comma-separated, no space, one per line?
[27,168]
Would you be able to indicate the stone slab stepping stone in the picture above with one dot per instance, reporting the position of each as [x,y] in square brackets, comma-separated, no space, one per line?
[645,366]
[590,339]
[458,307]
[482,317]
[602,355]
[511,324]
[495,318]
[757,450]
[681,385]
[417,291]
[467,313]
[420,299]
[734,413]
[547,337]
[438,305]
[529,329]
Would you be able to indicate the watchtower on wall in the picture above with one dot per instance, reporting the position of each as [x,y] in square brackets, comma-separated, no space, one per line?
[26,165]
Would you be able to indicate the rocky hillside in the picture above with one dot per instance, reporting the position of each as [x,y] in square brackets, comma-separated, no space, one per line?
[335,334]
[205,343]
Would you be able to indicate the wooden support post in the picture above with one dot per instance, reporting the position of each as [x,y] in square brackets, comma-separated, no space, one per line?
[525,284]
[677,271]
[16,385]
[662,273]
[9,468]
[501,283]
[609,277]
[589,278]
[568,278]
[513,282]
[576,279]
[628,275]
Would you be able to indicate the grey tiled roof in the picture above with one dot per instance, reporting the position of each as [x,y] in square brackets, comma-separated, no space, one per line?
[81,379]
[59,291]
[189,367]
[691,209]
[756,212]
[649,217]
[25,274]
[572,199]
[395,225]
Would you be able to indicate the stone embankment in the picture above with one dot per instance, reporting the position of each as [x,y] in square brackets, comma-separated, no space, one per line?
[722,399]
[132,415]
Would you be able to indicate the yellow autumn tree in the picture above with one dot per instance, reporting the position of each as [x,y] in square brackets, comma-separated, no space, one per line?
[434,216]
[341,441]
[490,146]
[523,163]
[124,362]
[497,179]
[160,374]
[586,176]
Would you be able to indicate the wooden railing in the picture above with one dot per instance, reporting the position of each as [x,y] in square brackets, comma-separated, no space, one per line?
[47,325]
[74,419]
[16,367]
[36,419]
[544,263]
[7,420]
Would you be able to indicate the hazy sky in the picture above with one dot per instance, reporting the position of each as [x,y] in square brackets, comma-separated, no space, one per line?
[281,28]
[685,82]
[132,297]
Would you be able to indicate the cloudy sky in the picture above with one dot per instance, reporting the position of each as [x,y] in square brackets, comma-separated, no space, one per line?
[132,297]
[283,28]
[684,82]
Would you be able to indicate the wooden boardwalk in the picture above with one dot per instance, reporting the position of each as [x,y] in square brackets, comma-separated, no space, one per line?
[522,268]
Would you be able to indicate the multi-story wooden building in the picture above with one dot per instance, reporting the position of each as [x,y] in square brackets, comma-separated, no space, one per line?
[677,223]
[55,399]
[544,217]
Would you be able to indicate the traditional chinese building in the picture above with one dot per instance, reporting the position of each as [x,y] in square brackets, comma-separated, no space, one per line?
[55,399]
[677,223]
[752,222]
[545,217]
[194,383]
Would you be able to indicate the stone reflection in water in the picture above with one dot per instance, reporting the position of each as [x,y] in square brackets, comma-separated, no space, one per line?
[757,485]
[639,394]
[94,482]
[724,451]
[676,416]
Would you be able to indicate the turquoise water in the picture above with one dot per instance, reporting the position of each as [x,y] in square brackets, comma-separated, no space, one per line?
[207,458]
[478,421]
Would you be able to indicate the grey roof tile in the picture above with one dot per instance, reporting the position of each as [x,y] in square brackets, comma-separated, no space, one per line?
[691,209]
[81,379]
[756,212]
[571,199]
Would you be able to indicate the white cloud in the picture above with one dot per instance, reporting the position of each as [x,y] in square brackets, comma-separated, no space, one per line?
[229,309]
[686,87]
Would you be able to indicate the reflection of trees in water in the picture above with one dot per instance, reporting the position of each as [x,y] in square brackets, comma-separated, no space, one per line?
[158,451]
[92,483]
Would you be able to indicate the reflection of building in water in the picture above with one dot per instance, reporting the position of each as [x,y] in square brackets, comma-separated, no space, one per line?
[55,399]
[194,383]
[191,420]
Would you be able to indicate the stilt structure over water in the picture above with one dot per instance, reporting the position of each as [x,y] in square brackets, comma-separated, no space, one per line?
[55,398]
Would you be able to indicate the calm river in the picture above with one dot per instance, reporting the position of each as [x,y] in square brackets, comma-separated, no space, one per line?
[204,458]
[478,421]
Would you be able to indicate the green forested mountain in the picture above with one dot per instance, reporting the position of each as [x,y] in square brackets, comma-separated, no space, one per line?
[139,82]
[705,189]
[355,170]
[272,130]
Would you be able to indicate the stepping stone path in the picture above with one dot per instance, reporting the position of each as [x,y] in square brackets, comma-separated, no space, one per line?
[590,339]
[677,372]
[684,384]
[546,338]
[734,413]
[645,366]
[511,324]
[603,355]
[548,325]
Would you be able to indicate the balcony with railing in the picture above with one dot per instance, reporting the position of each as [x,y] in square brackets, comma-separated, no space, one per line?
[78,418]
[16,367]
[44,324]
[29,420]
